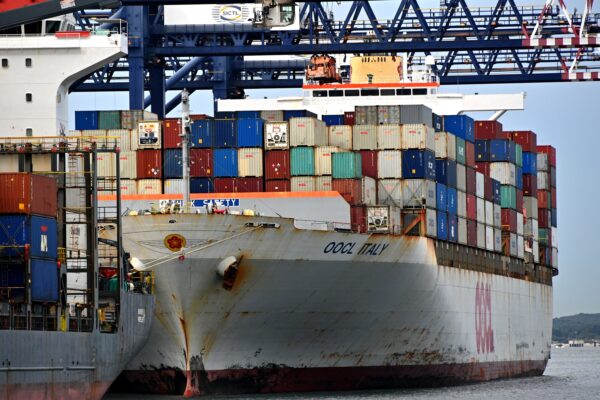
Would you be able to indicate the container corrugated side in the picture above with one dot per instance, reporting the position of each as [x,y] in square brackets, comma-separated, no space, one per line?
[389,137]
[461,204]
[225,163]
[388,115]
[418,136]
[416,114]
[121,137]
[250,132]
[44,281]
[149,164]
[480,185]
[277,164]
[128,186]
[40,232]
[418,193]
[489,213]
[357,191]
[9,163]
[201,185]
[504,172]
[86,120]
[131,118]
[389,164]
[307,131]
[279,185]
[302,161]
[172,163]
[340,136]
[271,115]
[530,204]
[201,163]
[489,238]
[445,145]
[109,119]
[480,210]
[365,115]
[481,236]
[250,162]
[323,183]
[389,192]
[461,177]
[364,137]
[462,230]
[324,159]
[173,186]
[105,166]
[347,165]
[23,193]
[302,184]
[276,135]
[128,165]
[149,186]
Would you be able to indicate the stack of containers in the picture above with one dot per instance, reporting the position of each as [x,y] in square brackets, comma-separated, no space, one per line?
[149,158]
[225,153]
[28,211]
[305,134]
[250,154]
[446,190]
[548,243]
[277,156]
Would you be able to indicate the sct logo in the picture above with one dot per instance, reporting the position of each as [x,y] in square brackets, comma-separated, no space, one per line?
[230,13]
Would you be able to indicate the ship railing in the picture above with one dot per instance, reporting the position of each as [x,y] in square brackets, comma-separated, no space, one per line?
[316,225]
[32,144]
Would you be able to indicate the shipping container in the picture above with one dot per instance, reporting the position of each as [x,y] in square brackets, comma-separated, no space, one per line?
[496,189]
[441,201]
[481,236]
[497,240]
[543,180]
[225,163]
[480,210]
[445,172]
[128,187]
[172,130]
[479,184]
[461,156]
[149,164]
[323,183]
[518,155]
[389,137]
[349,118]
[201,185]
[471,180]
[250,132]
[489,213]
[471,207]
[172,164]
[224,133]
[331,120]
[249,185]
[461,204]
[508,197]
[554,220]
[44,281]
[105,167]
[173,186]
[40,233]
[416,136]
[461,177]
[369,163]
[530,229]
[416,114]
[279,185]
[544,199]
[307,131]
[364,137]
[520,223]
[551,152]
[21,194]
[248,114]
[127,165]
[552,177]
[462,126]
[442,225]
[361,191]
[462,231]
[527,140]
[482,151]
[470,154]
[489,238]
[347,165]
[340,136]
[388,115]
[323,159]
[509,220]
[109,120]
[502,150]
[201,163]
[225,185]
[504,172]
[365,115]
[472,233]
[302,184]
[445,145]
[147,136]
[452,228]
[202,133]
[452,200]
[276,135]
[487,129]
[483,167]
[225,115]
[250,162]
[418,164]
[302,161]
[418,193]
[131,118]
[288,114]
[272,115]
[389,164]
[423,222]
[488,190]
[86,120]
[389,192]
[149,186]
[277,164]
[544,218]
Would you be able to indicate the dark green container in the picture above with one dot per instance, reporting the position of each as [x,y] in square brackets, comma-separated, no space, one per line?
[302,161]
[461,155]
[347,165]
[519,152]
[109,120]
[508,197]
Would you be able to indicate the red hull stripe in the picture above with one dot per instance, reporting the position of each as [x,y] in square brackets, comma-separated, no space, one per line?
[54,390]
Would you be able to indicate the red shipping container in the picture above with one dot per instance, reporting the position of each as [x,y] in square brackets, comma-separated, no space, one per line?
[280,185]
[471,180]
[551,151]
[543,196]
[544,218]
[24,193]
[172,129]
[483,167]
[527,140]
[553,197]
[471,207]
[519,203]
[349,189]
[488,188]
[529,185]
[201,163]
[149,164]
[253,184]
[358,220]
[224,185]
[470,154]
[349,118]
[487,129]
[505,135]
[509,220]
[277,164]
[472,233]
[369,163]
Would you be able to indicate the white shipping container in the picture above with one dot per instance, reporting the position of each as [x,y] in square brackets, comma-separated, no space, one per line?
[461,204]
[554,238]
[519,223]
[323,184]
[481,236]
[479,185]
[480,204]
[128,165]
[418,193]
[340,136]
[369,190]
[536,251]
[489,238]
[389,164]
[9,163]
[106,165]
[389,137]
[395,220]
[323,159]
[497,216]
[418,136]
[530,204]
[497,240]
[121,137]
[308,131]
[543,180]
[504,172]
[542,162]
[364,137]
[303,184]
[271,115]
[250,162]
[489,213]
[173,186]
[530,229]
[97,136]
[128,186]
[431,222]
[389,191]
[147,135]
[378,219]
[276,135]
[388,115]
[520,247]
[461,177]
[555,258]
[445,145]
[462,230]
[513,246]
[149,186]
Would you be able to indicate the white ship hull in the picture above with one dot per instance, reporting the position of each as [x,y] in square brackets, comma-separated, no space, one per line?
[308,313]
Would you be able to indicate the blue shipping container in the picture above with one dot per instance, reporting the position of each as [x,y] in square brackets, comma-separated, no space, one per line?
[452,227]
[250,132]
[418,164]
[438,122]
[248,114]
[529,163]
[482,150]
[201,185]
[452,200]
[442,225]
[172,166]
[519,177]
[497,191]
[18,230]
[462,126]
[445,172]
[553,218]
[502,150]
[202,133]
[225,115]
[441,202]
[225,132]
[294,114]
[331,120]
[44,280]
[225,163]
[86,120]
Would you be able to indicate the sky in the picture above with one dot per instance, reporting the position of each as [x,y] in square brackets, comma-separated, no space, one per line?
[565,115]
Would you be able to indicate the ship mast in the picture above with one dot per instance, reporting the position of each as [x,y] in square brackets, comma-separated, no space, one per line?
[185,148]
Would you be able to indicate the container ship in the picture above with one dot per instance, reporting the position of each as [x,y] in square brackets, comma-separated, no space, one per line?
[368,234]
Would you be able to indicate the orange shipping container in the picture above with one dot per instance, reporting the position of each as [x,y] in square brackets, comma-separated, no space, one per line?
[23,193]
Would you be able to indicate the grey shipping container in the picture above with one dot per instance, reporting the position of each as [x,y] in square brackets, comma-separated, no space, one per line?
[366,115]
[416,114]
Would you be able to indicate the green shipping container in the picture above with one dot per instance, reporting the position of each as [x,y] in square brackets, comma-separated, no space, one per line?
[302,161]
[543,236]
[508,197]
[519,151]
[461,157]
[346,165]
[109,120]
